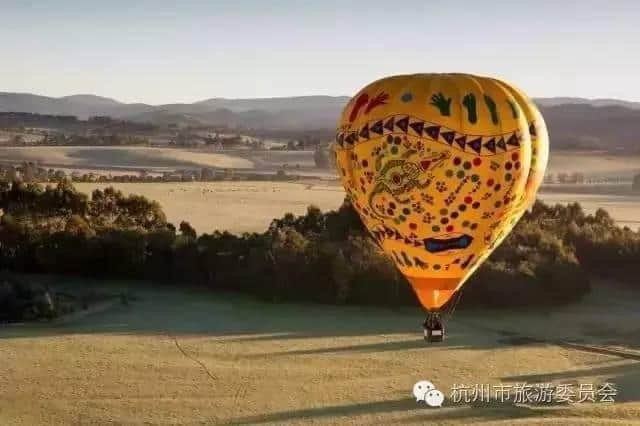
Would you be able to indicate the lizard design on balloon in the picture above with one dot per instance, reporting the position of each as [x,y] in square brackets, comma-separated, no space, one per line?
[399,177]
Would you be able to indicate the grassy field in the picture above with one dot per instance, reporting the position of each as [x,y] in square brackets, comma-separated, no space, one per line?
[194,357]
[122,157]
[250,206]
[159,159]
[593,164]
[234,206]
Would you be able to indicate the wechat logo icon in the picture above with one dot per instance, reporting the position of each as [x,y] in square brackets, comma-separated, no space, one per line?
[425,391]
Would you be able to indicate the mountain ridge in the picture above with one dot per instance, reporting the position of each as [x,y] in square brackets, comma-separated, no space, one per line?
[578,123]
[235,103]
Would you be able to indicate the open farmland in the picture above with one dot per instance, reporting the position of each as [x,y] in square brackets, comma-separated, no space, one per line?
[250,206]
[591,164]
[195,357]
[234,206]
[122,158]
[134,158]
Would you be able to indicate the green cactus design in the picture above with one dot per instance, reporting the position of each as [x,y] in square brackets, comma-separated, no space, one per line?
[469,102]
[492,108]
[514,109]
[442,103]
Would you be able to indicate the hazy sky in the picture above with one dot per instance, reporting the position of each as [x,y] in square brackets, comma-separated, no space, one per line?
[157,51]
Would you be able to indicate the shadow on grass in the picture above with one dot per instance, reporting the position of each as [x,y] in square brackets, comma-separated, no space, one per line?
[187,312]
[419,412]
[454,341]
[379,407]
[483,413]
[126,157]
[234,318]
[626,378]
[155,310]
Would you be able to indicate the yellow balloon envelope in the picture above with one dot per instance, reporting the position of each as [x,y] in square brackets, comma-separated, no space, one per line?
[440,167]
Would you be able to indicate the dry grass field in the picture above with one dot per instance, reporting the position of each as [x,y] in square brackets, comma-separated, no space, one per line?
[193,357]
[234,206]
[122,157]
[250,206]
[158,159]
[593,164]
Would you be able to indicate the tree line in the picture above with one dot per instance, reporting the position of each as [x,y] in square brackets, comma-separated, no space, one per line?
[324,257]
[30,172]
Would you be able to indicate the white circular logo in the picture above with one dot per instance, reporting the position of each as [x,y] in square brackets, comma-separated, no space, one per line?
[434,398]
[425,391]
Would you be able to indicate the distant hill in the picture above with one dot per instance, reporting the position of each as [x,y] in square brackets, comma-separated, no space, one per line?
[91,100]
[81,106]
[584,101]
[277,104]
[578,123]
[291,112]
[581,126]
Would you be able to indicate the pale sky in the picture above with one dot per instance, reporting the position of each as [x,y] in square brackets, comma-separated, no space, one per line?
[157,51]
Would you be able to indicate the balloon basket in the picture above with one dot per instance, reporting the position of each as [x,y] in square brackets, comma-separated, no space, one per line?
[434,330]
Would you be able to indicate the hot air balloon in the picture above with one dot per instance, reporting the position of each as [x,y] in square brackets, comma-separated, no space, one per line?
[440,167]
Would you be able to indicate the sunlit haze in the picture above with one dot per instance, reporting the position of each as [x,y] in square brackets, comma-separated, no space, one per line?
[162,52]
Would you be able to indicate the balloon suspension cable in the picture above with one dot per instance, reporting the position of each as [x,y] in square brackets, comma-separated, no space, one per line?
[454,305]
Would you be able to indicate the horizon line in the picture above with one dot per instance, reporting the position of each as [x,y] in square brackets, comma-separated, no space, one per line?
[279,97]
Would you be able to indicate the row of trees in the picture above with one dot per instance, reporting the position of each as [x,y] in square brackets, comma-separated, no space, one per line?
[30,172]
[579,178]
[320,257]
[564,177]
[60,139]
[99,138]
